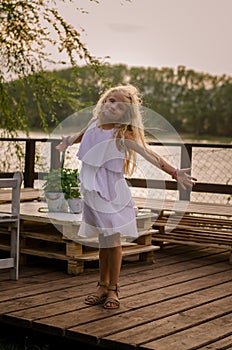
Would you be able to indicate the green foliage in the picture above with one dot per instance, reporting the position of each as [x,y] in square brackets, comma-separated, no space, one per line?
[32,97]
[192,102]
[196,103]
[70,183]
[53,181]
[63,180]
[30,32]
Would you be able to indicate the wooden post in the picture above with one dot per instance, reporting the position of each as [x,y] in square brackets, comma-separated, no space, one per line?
[75,267]
[185,162]
[148,257]
[29,173]
[55,155]
[145,239]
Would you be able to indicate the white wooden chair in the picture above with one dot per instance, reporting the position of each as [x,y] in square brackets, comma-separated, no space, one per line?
[13,221]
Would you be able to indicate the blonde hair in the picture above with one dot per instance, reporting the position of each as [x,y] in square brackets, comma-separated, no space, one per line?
[132,121]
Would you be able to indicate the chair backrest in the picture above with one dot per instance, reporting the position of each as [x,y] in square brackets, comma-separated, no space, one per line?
[15,184]
[13,221]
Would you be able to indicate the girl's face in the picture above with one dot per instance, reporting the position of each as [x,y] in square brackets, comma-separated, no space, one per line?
[115,108]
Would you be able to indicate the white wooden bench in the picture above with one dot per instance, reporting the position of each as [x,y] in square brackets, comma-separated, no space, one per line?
[11,220]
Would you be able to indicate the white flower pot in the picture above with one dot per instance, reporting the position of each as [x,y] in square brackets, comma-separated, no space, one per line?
[56,202]
[75,205]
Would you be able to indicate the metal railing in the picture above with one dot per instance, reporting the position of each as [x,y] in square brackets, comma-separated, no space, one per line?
[187,151]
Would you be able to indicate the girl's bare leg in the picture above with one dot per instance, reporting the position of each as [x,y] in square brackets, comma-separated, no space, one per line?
[104,270]
[104,278]
[110,260]
[115,262]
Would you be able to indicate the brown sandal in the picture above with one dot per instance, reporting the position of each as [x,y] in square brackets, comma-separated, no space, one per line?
[94,299]
[112,303]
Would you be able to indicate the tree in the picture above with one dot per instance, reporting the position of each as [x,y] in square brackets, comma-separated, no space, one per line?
[27,30]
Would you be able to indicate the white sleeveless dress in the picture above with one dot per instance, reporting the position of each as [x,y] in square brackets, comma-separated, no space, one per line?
[108,207]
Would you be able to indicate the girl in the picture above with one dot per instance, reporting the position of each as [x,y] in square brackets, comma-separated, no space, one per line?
[108,150]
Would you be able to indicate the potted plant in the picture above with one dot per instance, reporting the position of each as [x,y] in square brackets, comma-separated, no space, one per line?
[53,191]
[60,185]
[70,185]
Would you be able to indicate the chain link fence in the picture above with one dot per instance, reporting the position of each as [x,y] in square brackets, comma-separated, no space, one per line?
[210,164]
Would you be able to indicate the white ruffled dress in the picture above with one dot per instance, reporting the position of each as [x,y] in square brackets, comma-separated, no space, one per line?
[108,207]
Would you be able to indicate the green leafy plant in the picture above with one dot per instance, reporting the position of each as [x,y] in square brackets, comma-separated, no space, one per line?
[70,183]
[63,180]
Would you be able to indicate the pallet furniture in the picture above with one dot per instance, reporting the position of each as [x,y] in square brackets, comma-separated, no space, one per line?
[26,195]
[200,224]
[10,221]
[54,236]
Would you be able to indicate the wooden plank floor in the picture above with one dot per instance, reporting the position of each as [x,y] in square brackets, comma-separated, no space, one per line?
[182,301]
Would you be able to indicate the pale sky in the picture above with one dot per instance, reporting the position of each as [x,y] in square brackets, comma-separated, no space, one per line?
[158,33]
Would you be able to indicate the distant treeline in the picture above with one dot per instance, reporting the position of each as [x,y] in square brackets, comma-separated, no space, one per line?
[193,102]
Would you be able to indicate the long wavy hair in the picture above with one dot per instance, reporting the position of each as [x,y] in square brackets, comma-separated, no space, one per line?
[131,122]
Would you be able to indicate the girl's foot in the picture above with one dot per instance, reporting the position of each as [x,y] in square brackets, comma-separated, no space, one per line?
[112,301]
[99,297]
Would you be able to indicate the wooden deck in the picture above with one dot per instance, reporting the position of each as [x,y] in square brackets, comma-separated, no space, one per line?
[182,301]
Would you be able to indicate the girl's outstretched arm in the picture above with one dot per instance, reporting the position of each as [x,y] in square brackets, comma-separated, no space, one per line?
[76,138]
[180,175]
[70,140]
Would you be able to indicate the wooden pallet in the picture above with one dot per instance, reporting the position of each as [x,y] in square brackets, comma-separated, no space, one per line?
[200,224]
[194,230]
[26,194]
[76,254]
[55,237]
